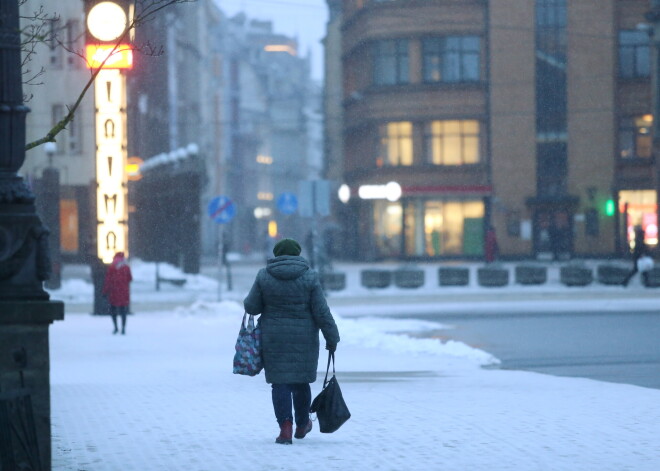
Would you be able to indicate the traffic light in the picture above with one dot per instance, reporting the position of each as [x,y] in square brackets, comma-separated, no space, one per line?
[610,207]
[106,41]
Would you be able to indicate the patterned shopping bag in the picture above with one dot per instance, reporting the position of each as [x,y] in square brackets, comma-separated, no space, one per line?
[247,359]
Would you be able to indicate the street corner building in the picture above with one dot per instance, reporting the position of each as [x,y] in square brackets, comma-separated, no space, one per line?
[533,116]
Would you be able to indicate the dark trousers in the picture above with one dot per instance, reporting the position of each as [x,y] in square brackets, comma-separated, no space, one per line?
[645,274]
[121,311]
[284,394]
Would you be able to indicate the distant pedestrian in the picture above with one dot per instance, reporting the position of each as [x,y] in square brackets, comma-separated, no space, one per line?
[116,288]
[639,250]
[491,249]
[288,295]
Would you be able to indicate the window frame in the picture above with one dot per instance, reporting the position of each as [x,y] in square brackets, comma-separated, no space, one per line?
[384,158]
[399,58]
[627,124]
[635,50]
[429,144]
[441,49]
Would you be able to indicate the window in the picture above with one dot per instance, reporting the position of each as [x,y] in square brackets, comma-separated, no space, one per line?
[390,62]
[396,144]
[451,59]
[443,227]
[73,41]
[57,113]
[388,226]
[56,52]
[69,225]
[551,13]
[635,137]
[634,54]
[75,134]
[640,208]
[452,142]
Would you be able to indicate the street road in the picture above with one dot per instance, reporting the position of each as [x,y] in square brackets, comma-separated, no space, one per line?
[616,347]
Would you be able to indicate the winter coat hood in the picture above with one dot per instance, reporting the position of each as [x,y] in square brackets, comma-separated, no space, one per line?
[118,260]
[287,267]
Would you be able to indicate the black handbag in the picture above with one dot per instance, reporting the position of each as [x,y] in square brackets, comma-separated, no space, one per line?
[329,406]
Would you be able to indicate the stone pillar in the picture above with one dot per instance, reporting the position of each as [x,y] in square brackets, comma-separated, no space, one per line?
[25,373]
[25,311]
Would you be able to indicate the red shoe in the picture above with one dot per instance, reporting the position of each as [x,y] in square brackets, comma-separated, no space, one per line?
[304,430]
[286,429]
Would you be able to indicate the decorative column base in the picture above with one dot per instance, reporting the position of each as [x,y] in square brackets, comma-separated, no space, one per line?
[25,434]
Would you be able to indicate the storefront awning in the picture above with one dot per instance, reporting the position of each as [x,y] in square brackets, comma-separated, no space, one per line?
[474,190]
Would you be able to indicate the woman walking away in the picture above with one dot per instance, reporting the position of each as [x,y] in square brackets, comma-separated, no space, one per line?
[639,250]
[116,288]
[288,295]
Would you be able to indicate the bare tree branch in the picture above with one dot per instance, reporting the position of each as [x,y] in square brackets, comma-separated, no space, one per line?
[38,31]
[144,10]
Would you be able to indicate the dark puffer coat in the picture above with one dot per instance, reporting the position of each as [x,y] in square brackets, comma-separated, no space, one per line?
[288,295]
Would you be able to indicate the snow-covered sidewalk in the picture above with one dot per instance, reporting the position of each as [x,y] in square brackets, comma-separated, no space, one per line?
[163,398]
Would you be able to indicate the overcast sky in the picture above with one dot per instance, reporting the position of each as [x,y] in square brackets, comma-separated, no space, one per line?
[304,19]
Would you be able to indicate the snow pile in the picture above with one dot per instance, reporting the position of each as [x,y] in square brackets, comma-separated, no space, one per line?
[74,290]
[145,272]
[209,309]
[393,335]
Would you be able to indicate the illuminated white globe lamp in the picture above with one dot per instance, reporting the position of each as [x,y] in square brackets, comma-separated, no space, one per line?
[107,21]
[393,191]
[344,193]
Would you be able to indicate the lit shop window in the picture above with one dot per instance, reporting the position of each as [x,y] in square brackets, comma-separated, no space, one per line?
[452,142]
[396,144]
[635,137]
[443,227]
[69,225]
[388,224]
[640,208]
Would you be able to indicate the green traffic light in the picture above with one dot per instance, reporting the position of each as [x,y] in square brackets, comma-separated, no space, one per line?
[610,209]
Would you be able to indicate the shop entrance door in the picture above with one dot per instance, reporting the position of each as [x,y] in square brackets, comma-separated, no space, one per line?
[553,233]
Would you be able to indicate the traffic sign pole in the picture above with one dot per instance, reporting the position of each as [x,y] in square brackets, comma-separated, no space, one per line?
[220,250]
[222,210]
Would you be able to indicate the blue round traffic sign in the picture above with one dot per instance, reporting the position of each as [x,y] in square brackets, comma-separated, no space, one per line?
[287,203]
[221,209]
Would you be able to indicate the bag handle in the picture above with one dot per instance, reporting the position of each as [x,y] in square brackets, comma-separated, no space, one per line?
[331,355]
[250,324]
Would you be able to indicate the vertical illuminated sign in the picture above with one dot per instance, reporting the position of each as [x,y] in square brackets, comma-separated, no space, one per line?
[112,210]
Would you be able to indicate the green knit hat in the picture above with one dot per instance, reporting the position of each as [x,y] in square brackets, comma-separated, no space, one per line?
[286,247]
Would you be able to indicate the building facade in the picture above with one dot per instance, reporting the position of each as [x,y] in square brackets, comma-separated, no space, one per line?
[274,129]
[53,80]
[240,94]
[531,116]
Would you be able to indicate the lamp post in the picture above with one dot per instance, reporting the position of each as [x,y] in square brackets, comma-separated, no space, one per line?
[25,309]
[107,22]
[653,17]
[50,214]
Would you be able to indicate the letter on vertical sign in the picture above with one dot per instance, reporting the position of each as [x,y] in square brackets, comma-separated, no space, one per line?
[109,128]
[109,199]
[111,240]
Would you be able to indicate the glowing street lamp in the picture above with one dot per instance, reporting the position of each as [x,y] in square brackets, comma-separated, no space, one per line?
[107,22]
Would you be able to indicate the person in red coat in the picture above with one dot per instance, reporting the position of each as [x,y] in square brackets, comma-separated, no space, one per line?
[116,288]
[492,250]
